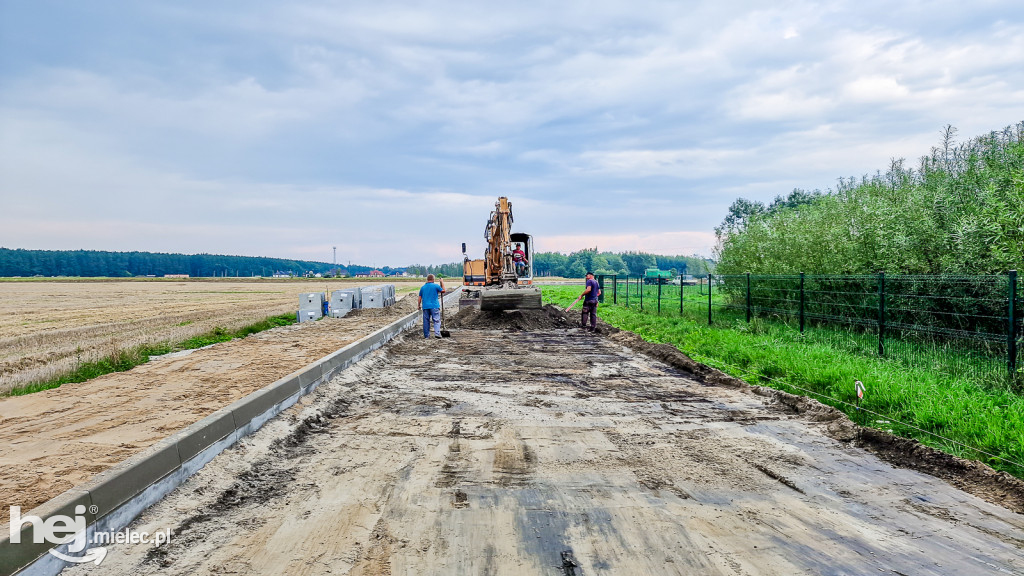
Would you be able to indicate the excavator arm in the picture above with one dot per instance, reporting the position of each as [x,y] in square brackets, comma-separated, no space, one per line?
[499,264]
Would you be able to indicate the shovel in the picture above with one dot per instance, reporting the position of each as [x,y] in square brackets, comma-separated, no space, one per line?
[444,333]
[574,302]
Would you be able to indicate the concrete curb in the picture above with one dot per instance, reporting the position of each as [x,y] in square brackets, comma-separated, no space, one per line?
[115,497]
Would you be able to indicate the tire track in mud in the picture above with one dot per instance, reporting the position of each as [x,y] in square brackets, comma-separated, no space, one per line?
[266,480]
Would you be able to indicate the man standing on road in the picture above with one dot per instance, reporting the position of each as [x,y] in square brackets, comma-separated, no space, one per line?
[430,303]
[590,296]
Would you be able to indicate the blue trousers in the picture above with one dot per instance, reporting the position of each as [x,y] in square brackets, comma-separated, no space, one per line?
[431,314]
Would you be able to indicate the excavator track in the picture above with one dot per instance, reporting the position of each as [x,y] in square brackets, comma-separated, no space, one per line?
[510,299]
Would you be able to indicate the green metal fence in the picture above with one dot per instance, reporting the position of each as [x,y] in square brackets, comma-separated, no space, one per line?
[970,324]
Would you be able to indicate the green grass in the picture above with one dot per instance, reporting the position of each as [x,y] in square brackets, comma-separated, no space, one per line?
[924,393]
[124,360]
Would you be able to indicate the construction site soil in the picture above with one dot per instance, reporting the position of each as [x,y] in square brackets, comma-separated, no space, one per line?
[556,451]
[57,439]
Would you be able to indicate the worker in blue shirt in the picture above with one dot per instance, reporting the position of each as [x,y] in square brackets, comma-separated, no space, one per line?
[430,303]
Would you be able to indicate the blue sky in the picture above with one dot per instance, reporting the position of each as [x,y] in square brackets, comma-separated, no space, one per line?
[389,129]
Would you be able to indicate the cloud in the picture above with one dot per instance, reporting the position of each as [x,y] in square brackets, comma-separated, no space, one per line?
[390,127]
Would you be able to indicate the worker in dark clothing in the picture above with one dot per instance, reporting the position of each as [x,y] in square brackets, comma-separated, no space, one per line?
[590,296]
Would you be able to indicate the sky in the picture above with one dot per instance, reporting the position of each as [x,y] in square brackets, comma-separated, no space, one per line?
[389,129]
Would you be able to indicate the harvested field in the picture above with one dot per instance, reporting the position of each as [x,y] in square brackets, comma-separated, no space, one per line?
[56,439]
[49,327]
[559,452]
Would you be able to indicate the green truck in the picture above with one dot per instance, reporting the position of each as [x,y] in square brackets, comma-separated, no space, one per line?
[656,276]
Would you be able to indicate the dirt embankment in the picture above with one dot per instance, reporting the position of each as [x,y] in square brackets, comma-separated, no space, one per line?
[60,438]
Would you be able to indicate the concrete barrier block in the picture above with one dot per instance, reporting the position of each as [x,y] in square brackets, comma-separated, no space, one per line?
[310,315]
[113,487]
[14,557]
[355,294]
[311,301]
[197,437]
[341,303]
[372,296]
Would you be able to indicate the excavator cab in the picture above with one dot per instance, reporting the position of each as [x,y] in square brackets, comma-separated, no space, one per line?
[524,272]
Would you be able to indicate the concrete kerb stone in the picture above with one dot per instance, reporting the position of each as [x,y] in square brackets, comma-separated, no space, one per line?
[121,493]
[245,409]
[203,434]
[112,488]
[14,557]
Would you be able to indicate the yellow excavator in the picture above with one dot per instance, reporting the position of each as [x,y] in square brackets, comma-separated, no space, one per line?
[503,278]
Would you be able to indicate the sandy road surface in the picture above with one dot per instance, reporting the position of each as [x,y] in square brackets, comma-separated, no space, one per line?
[554,452]
[56,439]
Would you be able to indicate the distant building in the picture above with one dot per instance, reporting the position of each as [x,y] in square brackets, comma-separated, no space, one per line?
[280,274]
[175,275]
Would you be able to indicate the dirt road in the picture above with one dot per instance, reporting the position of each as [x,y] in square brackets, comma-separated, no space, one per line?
[57,439]
[555,452]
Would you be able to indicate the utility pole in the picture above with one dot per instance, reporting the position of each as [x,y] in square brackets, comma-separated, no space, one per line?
[335,261]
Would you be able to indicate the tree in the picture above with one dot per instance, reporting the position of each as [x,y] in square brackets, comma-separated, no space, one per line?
[741,212]
[576,270]
[639,262]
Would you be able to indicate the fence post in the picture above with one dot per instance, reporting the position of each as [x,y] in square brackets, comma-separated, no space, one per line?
[659,296]
[627,290]
[748,296]
[615,289]
[881,313]
[680,295]
[801,302]
[640,285]
[709,299]
[1011,351]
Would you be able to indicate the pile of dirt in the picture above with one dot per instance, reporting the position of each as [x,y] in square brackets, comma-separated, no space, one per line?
[548,317]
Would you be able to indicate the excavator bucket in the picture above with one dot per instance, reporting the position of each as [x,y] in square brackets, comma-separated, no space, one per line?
[510,298]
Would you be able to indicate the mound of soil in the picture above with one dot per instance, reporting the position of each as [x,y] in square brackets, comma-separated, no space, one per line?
[548,317]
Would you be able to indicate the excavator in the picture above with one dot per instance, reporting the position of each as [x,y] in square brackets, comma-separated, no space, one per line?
[503,278]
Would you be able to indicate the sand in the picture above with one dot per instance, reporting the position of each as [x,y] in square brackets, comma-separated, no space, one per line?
[60,438]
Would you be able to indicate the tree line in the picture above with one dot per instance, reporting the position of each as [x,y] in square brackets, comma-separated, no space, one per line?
[577,264]
[98,263]
[960,210]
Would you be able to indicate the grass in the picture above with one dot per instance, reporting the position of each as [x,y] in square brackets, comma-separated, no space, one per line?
[923,393]
[123,360]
